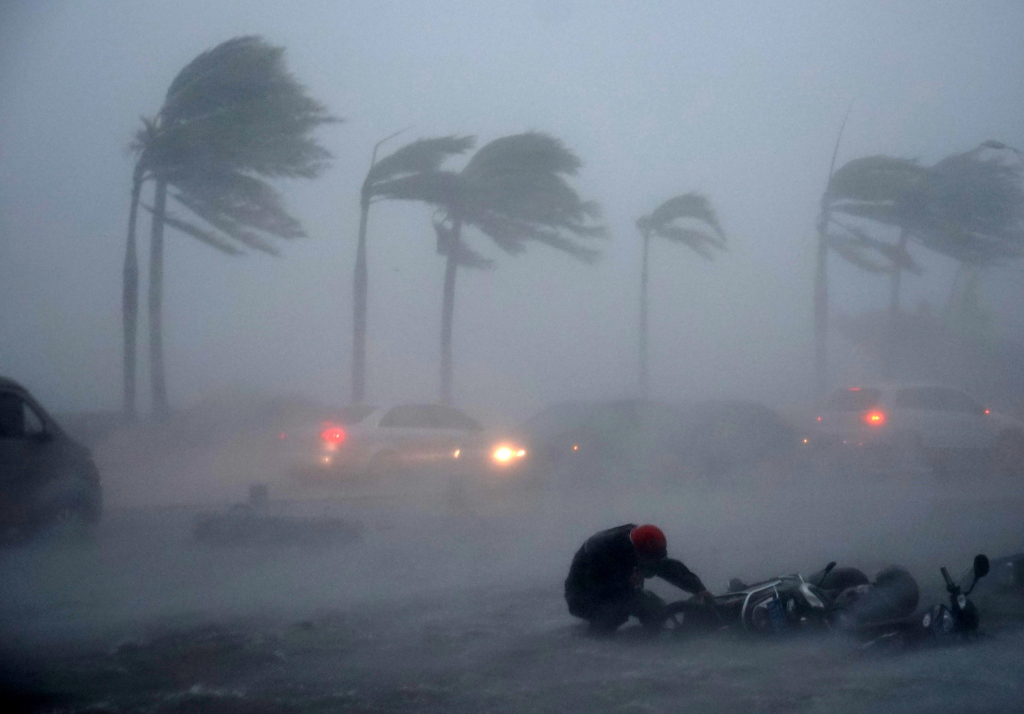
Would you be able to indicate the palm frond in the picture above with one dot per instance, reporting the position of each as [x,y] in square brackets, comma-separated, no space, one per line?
[874,178]
[464,256]
[855,252]
[438,188]
[421,156]
[208,237]
[884,212]
[691,205]
[700,241]
[532,153]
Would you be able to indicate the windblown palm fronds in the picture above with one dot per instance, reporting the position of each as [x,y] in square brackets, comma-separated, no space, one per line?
[688,219]
[514,190]
[232,118]
[412,173]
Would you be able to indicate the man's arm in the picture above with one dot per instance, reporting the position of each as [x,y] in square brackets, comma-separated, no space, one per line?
[674,572]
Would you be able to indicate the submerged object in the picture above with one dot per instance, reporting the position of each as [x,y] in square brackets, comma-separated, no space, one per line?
[253,523]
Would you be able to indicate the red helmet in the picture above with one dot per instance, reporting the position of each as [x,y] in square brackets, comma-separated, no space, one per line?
[649,541]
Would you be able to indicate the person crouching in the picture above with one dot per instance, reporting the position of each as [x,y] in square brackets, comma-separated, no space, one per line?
[605,585]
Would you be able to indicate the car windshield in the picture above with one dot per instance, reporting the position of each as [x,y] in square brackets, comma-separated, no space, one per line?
[428,416]
[854,399]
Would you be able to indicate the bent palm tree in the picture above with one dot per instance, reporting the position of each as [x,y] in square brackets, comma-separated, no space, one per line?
[419,160]
[688,219]
[232,117]
[879,191]
[514,190]
[967,207]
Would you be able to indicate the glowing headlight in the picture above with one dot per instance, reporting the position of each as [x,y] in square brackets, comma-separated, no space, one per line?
[457,453]
[505,454]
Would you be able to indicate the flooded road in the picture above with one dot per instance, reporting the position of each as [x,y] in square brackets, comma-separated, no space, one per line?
[454,604]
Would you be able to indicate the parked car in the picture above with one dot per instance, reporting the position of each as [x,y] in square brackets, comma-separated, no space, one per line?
[729,436]
[919,422]
[46,477]
[365,440]
[599,441]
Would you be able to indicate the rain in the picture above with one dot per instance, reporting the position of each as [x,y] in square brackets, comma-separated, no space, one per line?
[330,332]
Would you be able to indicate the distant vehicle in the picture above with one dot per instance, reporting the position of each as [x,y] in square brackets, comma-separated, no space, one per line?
[919,422]
[728,436]
[365,440]
[46,477]
[590,441]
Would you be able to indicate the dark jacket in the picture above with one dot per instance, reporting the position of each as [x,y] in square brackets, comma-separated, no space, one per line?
[602,567]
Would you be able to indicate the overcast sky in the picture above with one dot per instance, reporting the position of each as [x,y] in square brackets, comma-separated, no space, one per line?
[740,100]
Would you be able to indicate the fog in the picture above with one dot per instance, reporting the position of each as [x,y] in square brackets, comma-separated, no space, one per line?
[740,103]
[449,599]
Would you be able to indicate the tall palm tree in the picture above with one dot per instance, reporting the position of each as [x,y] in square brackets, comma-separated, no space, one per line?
[232,118]
[688,219]
[420,160]
[865,194]
[967,207]
[513,190]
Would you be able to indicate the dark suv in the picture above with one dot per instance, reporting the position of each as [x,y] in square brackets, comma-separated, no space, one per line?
[46,477]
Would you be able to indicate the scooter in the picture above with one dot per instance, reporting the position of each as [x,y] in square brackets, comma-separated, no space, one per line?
[959,620]
[784,604]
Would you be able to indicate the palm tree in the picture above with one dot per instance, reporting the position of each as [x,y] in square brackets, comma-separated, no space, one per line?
[514,190]
[688,219]
[232,118]
[867,193]
[967,207]
[421,160]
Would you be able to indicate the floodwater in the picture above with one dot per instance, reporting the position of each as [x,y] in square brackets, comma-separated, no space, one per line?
[451,601]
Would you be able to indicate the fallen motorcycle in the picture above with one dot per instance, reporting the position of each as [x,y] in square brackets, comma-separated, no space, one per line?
[842,599]
[784,603]
[956,621]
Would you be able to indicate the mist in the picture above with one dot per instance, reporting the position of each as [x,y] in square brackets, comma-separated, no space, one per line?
[450,596]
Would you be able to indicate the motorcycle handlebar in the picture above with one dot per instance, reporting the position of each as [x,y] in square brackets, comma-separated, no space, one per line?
[950,585]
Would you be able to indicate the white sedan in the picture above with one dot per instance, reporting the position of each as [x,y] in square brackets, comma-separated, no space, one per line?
[929,419]
[366,440]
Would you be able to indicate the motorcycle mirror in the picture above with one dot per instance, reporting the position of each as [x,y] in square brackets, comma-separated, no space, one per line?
[981,566]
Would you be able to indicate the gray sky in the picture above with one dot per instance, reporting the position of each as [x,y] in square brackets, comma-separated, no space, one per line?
[739,100]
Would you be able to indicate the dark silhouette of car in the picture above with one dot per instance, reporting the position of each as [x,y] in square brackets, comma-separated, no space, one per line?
[598,441]
[47,479]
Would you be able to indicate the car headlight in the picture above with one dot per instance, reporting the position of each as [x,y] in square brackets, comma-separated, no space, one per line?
[507,453]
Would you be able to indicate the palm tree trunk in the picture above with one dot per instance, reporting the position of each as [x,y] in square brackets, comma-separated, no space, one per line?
[156,288]
[448,313]
[643,316]
[890,353]
[821,309]
[360,292]
[130,301]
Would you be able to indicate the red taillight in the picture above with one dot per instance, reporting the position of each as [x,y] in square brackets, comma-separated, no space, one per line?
[332,434]
[873,418]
